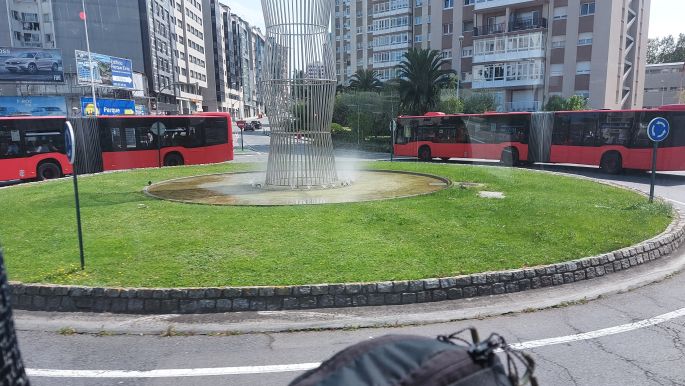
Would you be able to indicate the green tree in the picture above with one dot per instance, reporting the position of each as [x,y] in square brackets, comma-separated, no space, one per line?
[365,80]
[421,78]
[451,106]
[555,103]
[666,50]
[479,103]
[341,111]
[576,103]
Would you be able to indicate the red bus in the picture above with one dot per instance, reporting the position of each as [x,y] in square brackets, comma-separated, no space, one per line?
[612,140]
[33,148]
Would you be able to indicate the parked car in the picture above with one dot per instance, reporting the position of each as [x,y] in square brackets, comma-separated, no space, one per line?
[256,125]
[32,62]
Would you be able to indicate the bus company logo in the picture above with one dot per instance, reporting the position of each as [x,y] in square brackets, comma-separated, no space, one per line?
[22,173]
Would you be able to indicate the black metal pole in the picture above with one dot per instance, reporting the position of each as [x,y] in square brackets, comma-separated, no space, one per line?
[653,178]
[78,219]
[242,141]
[159,147]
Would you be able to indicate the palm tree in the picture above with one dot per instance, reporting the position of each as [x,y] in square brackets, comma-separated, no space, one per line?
[421,78]
[365,80]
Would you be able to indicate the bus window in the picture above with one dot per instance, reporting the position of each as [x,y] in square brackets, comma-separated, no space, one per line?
[216,131]
[615,129]
[583,129]
[10,141]
[677,121]
[130,137]
[562,122]
[43,136]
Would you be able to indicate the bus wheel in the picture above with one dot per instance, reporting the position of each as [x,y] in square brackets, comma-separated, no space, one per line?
[509,157]
[611,163]
[48,170]
[425,154]
[173,159]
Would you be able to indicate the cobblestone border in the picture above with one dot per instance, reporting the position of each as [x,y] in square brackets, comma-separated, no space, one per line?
[41,297]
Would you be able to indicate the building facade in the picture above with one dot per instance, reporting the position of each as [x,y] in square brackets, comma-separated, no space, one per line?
[520,51]
[190,54]
[664,84]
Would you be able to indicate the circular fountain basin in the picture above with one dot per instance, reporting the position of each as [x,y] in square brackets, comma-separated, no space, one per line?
[247,189]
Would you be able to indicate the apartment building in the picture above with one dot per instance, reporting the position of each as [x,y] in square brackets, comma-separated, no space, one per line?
[30,23]
[190,55]
[158,28]
[215,96]
[520,51]
[664,84]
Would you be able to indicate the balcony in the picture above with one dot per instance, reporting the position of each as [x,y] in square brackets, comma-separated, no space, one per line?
[490,29]
[526,73]
[487,4]
[522,24]
[509,48]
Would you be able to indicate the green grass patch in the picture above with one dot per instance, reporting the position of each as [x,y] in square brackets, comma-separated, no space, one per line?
[132,240]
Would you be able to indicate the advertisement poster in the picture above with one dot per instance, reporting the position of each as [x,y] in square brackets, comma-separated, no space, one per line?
[37,106]
[108,106]
[31,65]
[108,70]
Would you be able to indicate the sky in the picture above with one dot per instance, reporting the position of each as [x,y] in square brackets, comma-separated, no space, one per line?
[666,15]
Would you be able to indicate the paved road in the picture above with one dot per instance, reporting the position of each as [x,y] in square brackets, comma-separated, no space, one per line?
[652,355]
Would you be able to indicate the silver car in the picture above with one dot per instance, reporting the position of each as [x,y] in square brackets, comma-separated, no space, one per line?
[32,62]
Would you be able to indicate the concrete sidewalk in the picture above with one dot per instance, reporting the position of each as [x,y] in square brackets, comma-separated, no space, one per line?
[361,317]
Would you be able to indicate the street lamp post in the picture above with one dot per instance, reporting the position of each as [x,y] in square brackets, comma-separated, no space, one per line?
[84,16]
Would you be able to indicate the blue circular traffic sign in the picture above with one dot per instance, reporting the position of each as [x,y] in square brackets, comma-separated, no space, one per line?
[658,129]
[69,142]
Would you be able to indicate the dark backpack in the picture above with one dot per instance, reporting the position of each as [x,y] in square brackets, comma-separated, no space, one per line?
[406,360]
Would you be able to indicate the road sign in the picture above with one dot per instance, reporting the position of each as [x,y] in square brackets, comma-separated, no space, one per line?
[658,129]
[70,142]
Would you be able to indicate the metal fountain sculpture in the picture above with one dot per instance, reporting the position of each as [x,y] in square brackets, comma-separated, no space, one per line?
[299,93]
[299,89]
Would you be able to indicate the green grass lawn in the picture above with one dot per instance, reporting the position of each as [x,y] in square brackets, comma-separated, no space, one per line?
[132,240]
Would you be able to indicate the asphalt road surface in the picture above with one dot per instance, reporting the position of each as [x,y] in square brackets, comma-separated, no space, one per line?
[626,345]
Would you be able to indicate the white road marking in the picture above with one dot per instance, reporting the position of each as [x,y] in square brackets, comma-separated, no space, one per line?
[170,373]
[601,333]
[200,372]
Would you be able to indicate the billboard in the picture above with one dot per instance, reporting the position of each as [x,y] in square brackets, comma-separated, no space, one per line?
[108,71]
[108,106]
[31,65]
[40,106]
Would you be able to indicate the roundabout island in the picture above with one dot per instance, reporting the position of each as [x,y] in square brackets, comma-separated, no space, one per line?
[145,255]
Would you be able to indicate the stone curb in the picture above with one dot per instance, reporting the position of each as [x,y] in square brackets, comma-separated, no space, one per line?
[39,297]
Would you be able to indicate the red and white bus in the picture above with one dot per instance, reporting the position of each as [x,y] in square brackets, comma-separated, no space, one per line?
[33,148]
[612,140]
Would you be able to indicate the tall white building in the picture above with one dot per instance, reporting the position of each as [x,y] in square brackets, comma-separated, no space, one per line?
[521,51]
[190,54]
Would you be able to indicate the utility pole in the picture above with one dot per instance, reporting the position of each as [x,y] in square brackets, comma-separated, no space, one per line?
[84,17]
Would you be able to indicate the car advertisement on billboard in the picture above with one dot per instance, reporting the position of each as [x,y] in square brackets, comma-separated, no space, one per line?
[108,106]
[31,65]
[37,106]
[108,71]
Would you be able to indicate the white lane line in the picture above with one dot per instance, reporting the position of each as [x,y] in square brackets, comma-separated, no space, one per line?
[600,333]
[173,373]
[170,373]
